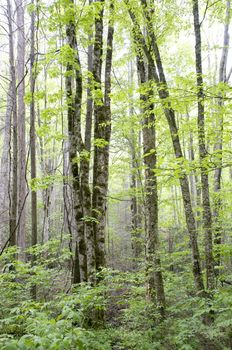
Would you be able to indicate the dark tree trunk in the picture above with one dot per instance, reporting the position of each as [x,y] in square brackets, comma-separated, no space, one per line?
[32,131]
[207,217]
[102,133]
[163,92]
[74,100]
[33,140]
[136,214]
[155,278]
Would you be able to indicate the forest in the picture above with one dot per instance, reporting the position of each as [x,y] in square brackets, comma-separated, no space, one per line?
[116,173]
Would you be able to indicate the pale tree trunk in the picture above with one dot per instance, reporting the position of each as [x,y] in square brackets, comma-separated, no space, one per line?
[155,290]
[47,170]
[207,217]
[20,70]
[102,134]
[163,92]
[217,212]
[14,171]
[5,171]
[89,107]
[194,182]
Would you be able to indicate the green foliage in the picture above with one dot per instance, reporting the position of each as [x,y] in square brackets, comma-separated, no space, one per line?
[57,323]
[45,182]
[100,143]
[70,320]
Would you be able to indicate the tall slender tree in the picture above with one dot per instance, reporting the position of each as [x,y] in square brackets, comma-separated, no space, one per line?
[20,71]
[218,146]
[74,92]
[155,278]
[162,88]
[102,132]
[14,167]
[34,232]
[207,216]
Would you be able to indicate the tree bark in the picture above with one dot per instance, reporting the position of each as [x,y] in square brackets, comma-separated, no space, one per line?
[85,172]
[136,215]
[32,131]
[102,133]
[14,191]
[218,147]
[163,92]
[74,101]
[207,217]
[20,69]
[5,170]
[155,278]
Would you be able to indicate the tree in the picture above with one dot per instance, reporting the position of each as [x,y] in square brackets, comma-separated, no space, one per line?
[20,71]
[163,92]
[102,132]
[155,278]
[14,171]
[207,218]
[74,101]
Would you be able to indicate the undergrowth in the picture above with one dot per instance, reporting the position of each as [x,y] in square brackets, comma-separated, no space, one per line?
[68,318]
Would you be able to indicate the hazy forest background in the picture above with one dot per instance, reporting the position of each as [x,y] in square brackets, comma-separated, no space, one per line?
[116,173]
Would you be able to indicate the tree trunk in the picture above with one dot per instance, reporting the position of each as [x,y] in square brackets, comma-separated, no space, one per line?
[219,143]
[163,93]
[32,132]
[5,171]
[75,143]
[194,182]
[155,279]
[207,218]
[136,215]
[102,133]
[85,173]
[14,191]
[20,69]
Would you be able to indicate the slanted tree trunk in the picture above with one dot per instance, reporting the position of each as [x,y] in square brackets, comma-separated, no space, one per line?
[163,92]
[20,70]
[102,133]
[207,217]
[155,279]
